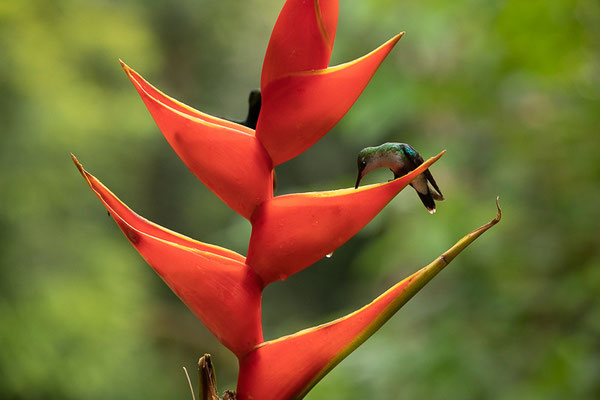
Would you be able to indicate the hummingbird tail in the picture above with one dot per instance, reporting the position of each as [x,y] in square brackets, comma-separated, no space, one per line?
[436,196]
[427,202]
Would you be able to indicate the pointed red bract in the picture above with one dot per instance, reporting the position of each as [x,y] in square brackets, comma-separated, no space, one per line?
[143,85]
[287,368]
[141,224]
[291,232]
[302,39]
[231,163]
[299,109]
[213,282]
[284,368]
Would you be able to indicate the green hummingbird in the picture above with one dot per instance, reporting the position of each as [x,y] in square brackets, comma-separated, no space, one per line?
[400,158]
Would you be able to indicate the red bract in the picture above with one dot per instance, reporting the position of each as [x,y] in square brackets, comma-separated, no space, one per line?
[291,232]
[302,100]
[299,108]
[224,155]
[213,282]
[302,39]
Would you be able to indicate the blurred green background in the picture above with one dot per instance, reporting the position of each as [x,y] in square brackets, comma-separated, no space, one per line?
[510,88]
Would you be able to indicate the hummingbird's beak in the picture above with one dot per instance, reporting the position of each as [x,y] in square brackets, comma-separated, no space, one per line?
[358,179]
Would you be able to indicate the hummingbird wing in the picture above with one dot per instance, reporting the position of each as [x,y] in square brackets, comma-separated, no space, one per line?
[412,158]
[416,160]
[433,183]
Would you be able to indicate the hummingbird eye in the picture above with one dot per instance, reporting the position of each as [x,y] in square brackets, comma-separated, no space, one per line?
[363,163]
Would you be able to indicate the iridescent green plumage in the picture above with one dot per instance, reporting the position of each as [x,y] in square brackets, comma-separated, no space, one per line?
[400,158]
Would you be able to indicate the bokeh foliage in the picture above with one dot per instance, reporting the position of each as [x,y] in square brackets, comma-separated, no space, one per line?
[510,88]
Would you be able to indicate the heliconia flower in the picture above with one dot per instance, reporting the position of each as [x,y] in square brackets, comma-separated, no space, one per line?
[224,155]
[291,232]
[302,99]
[288,367]
[237,165]
[213,282]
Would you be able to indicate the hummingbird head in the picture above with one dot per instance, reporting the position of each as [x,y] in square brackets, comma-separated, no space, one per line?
[364,163]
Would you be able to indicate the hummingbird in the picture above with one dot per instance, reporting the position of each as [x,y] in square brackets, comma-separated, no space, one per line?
[254,104]
[400,158]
